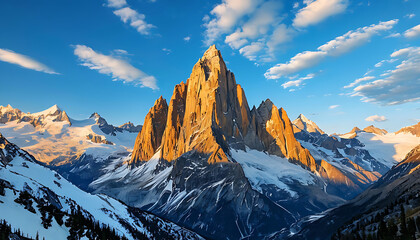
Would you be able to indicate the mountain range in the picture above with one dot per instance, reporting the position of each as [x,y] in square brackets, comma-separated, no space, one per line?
[208,162]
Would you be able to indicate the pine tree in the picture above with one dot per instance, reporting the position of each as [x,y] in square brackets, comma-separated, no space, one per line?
[411,228]
[403,221]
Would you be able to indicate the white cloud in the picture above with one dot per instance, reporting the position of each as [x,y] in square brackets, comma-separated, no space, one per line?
[333,106]
[336,47]
[117,3]
[376,118]
[250,51]
[317,11]
[166,50]
[187,38]
[411,15]
[399,85]
[258,25]
[412,32]
[394,35]
[298,82]
[119,69]
[226,16]
[135,19]
[357,81]
[24,61]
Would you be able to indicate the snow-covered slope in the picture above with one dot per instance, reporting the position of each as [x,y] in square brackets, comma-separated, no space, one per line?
[28,190]
[388,148]
[54,138]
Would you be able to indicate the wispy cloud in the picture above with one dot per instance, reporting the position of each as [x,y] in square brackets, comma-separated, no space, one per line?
[297,83]
[119,69]
[333,106]
[187,38]
[412,32]
[411,15]
[130,16]
[376,118]
[336,47]
[117,3]
[135,19]
[317,11]
[357,81]
[396,86]
[24,61]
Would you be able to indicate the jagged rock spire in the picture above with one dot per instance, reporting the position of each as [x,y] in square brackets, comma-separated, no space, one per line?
[150,137]
[210,114]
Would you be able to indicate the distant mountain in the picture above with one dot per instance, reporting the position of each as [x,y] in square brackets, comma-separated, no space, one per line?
[42,204]
[348,156]
[387,148]
[304,124]
[378,211]
[373,129]
[70,138]
[415,130]
[54,113]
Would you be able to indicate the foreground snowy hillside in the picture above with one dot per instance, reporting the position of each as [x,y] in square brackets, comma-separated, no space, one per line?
[37,200]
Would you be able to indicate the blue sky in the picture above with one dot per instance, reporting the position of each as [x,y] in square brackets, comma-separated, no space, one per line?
[315,57]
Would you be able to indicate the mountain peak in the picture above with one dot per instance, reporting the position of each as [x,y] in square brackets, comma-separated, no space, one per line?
[210,115]
[54,110]
[211,52]
[303,123]
[373,129]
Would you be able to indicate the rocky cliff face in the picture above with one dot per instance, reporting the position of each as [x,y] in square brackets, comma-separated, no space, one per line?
[150,137]
[210,113]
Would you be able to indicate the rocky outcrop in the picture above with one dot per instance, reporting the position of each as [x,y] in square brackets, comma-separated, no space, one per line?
[415,130]
[275,131]
[130,127]
[98,139]
[8,114]
[150,137]
[375,130]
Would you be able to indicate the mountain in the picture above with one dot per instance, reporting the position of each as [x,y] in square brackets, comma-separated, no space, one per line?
[415,130]
[348,156]
[301,123]
[387,148]
[373,129]
[72,139]
[207,157]
[42,204]
[388,205]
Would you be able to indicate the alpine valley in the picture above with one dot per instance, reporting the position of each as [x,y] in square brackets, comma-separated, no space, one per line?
[204,165]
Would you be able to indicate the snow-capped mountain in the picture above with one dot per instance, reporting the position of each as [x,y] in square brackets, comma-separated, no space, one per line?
[380,207]
[388,148]
[39,202]
[301,123]
[349,156]
[55,139]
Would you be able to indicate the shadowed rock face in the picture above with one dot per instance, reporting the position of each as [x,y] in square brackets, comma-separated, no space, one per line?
[210,113]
